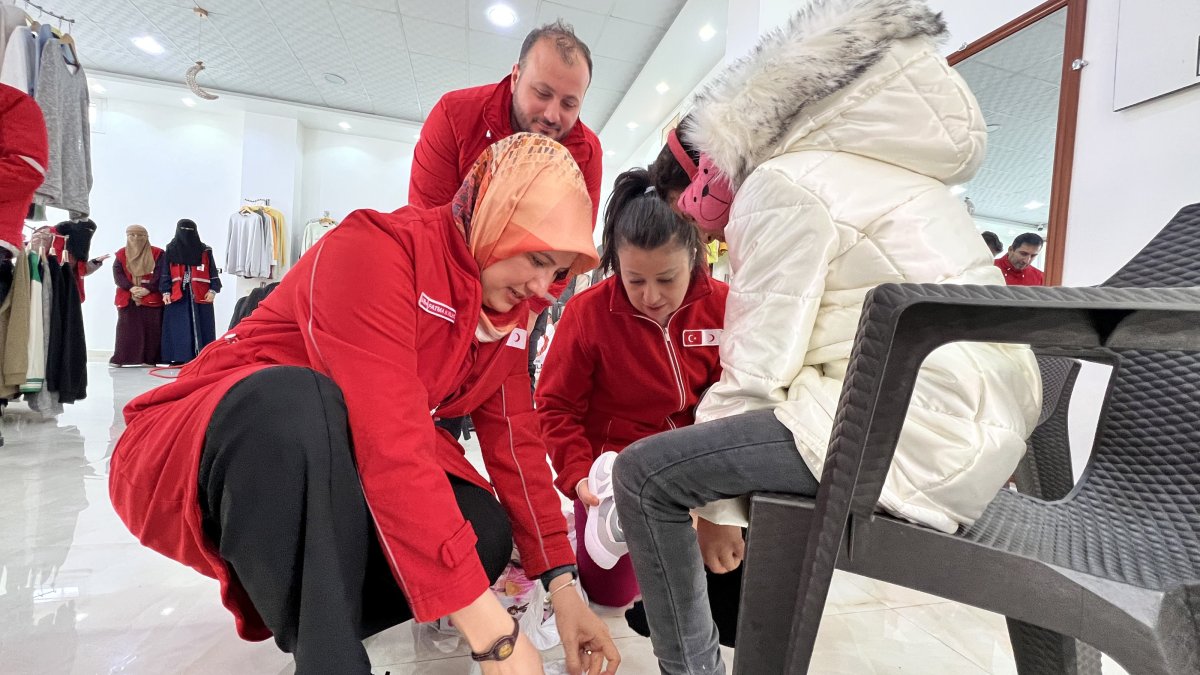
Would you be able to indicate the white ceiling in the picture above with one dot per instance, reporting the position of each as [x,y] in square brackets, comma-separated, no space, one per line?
[1017,84]
[397,56]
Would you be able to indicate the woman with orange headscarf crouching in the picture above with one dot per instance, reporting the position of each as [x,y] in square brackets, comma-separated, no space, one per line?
[296,458]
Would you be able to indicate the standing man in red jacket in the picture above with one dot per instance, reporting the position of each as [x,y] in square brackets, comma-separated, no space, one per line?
[1017,263]
[542,95]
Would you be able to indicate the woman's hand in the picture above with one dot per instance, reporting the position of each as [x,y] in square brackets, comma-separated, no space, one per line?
[166,298]
[485,621]
[721,546]
[586,641]
[210,296]
[138,292]
[585,494]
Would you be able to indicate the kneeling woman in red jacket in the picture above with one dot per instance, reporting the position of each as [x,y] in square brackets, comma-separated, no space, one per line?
[296,459]
[631,357]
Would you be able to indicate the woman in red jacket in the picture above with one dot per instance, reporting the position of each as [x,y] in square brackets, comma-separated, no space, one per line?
[296,459]
[631,357]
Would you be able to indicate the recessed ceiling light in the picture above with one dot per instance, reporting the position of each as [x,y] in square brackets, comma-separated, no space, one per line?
[993,127]
[417,136]
[502,15]
[334,78]
[189,101]
[707,32]
[148,44]
[662,87]
[957,190]
[96,87]
[610,153]
[344,125]
[1035,204]
[631,126]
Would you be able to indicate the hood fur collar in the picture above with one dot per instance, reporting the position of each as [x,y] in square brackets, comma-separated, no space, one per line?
[743,115]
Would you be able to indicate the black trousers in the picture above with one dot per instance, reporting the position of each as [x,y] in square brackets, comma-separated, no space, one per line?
[281,499]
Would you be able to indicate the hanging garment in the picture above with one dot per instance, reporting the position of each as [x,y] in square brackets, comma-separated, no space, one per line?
[66,362]
[63,96]
[14,329]
[20,65]
[189,322]
[45,401]
[314,230]
[10,18]
[36,374]
[23,159]
[248,248]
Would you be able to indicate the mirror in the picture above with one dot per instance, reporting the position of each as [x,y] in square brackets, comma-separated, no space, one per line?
[1018,82]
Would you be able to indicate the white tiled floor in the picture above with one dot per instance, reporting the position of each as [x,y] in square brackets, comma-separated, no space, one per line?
[79,595]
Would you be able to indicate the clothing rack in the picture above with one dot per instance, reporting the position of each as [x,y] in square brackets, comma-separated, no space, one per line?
[43,10]
[266,201]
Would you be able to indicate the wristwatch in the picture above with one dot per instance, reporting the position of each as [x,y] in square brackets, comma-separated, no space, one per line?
[502,649]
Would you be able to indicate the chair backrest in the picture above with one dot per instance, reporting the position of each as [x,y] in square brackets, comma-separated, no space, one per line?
[1146,459]
[1170,260]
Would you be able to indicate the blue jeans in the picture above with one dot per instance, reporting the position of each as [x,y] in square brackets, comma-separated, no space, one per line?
[657,481]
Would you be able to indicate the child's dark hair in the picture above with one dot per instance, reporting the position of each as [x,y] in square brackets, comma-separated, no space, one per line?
[635,214]
[665,171]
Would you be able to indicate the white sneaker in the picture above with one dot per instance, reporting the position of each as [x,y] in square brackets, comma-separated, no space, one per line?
[603,538]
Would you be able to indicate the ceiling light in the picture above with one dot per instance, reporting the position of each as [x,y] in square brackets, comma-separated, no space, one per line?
[96,87]
[1035,204]
[957,190]
[189,101]
[662,88]
[993,127]
[707,32]
[631,126]
[417,136]
[610,153]
[334,78]
[148,44]
[344,125]
[167,611]
[502,15]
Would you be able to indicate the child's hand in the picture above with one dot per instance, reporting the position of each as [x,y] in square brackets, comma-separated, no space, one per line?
[585,494]
[721,546]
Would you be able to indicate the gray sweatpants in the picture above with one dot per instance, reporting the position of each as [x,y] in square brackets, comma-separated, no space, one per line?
[658,480]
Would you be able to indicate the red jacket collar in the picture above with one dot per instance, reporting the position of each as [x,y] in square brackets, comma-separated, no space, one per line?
[497,115]
[619,303]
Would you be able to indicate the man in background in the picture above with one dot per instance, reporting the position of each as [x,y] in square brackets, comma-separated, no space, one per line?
[543,94]
[1017,264]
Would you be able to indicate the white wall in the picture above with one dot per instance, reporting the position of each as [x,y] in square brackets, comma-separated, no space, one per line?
[152,166]
[344,172]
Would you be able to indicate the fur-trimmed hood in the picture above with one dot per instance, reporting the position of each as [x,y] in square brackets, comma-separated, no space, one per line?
[859,76]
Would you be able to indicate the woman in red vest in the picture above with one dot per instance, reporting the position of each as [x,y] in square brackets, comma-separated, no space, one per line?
[189,287]
[296,459]
[139,305]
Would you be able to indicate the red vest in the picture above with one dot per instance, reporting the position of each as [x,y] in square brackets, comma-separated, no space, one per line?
[201,281]
[154,298]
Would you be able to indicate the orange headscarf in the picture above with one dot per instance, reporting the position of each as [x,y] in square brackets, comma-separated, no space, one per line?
[524,194]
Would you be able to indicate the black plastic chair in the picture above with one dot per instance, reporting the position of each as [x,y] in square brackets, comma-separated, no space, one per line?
[1114,562]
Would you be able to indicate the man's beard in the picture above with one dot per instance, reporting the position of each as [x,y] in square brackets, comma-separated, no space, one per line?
[523,124]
